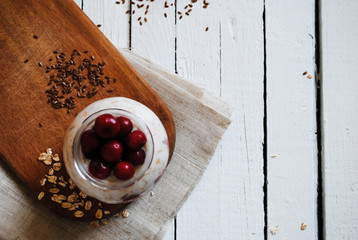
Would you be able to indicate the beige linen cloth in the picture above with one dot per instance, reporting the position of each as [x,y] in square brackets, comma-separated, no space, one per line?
[200,118]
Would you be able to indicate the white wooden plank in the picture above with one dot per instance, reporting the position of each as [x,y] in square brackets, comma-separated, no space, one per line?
[155,41]
[198,60]
[112,17]
[291,120]
[242,179]
[339,51]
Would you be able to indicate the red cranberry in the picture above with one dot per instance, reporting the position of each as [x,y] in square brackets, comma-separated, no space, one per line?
[106,126]
[136,157]
[124,170]
[136,139]
[126,126]
[99,169]
[112,151]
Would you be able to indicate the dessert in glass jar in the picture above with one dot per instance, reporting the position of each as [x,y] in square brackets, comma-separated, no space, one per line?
[116,149]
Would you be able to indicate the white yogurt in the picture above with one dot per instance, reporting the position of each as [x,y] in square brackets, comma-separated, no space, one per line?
[112,190]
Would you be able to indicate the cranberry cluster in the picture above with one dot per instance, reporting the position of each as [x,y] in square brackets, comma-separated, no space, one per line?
[112,145]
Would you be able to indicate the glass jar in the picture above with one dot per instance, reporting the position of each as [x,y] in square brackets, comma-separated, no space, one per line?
[112,190]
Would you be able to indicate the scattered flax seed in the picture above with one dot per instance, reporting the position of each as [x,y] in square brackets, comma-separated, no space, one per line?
[35,37]
[118,215]
[99,25]
[40,64]
[99,214]
[104,221]
[118,2]
[40,125]
[125,213]
[303,226]
[206,29]
[88,205]
[57,166]
[62,184]
[304,73]
[41,195]
[309,76]
[54,190]
[26,60]
[82,203]
[78,214]
[43,181]
[94,224]
[66,205]
[50,171]
[106,212]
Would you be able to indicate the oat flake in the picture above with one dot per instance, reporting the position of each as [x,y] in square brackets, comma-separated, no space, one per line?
[41,195]
[99,214]
[79,214]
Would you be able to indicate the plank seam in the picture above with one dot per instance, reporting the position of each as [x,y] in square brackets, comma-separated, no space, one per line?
[320,212]
[265,122]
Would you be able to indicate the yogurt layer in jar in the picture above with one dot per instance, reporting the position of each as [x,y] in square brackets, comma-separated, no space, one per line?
[112,190]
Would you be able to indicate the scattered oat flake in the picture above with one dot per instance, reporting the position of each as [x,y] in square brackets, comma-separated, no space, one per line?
[56,158]
[48,160]
[117,214]
[42,156]
[94,224]
[49,151]
[82,203]
[309,76]
[99,214]
[104,221]
[51,179]
[66,205]
[99,204]
[71,198]
[62,197]
[274,230]
[78,214]
[50,171]
[106,212]
[83,195]
[88,205]
[57,166]
[62,184]
[41,195]
[125,213]
[54,190]
[43,181]
[54,198]
[303,226]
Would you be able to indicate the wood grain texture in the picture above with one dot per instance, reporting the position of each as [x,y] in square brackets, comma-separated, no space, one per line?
[339,51]
[291,120]
[24,103]
[198,60]
[242,70]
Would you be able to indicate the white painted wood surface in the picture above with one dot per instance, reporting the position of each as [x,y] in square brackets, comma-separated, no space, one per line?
[291,120]
[229,60]
[339,52]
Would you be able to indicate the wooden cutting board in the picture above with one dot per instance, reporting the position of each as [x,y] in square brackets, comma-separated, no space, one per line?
[30,32]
